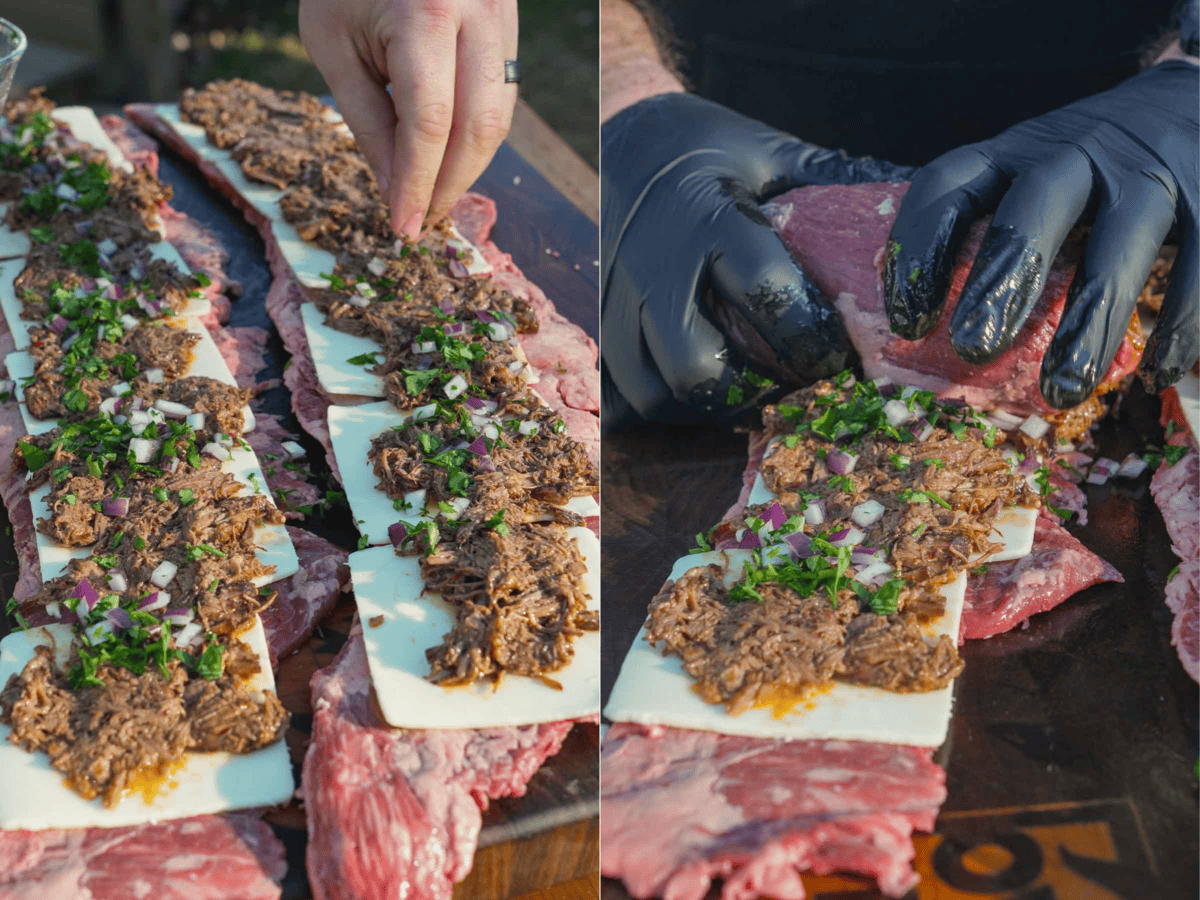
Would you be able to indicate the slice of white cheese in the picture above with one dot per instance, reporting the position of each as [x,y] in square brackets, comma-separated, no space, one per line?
[331,352]
[400,622]
[83,124]
[1014,526]
[274,545]
[351,429]
[653,689]
[33,795]
[206,360]
[13,244]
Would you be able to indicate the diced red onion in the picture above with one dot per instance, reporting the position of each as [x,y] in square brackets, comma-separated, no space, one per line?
[455,328]
[840,462]
[424,412]
[155,600]
[485,316]
[1035,426]
[926,432]
[58,324]
[774,515]
[172,410]
[528,428]
[119,618]
[86,593]
[473,403]
[478,446]
[1132,466]
[881,381]
[801,543]
[142,449]
[171,464]
[814,512]
[115,506]
[216,451]
[71,339]
[150,307]
[897,412]
[1003,419]
[847,537]
[110,405]
[749,541]
[867,513]
[163,573]
[1102,470]
[155,376]
[117,582]
[875,573]
[454,387]
[136,403]
[446,306]
[486,464]
[195,421]
[397,533]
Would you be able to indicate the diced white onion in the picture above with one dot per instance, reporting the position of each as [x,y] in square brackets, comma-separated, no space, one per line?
[852,538]
[155,376]
[119,389]
[528,428]
[491,431]
[1102,470]
[455,386]
[53,609]
[867,513]
[365,290]
[65,192]
[195,421]
[459,504]
[873,572]
[117,582]
[814,513]
[516,366]
[223,439]
[100,632]
[172,410]
[897,412]
[881,381]
[1035,426]
[130,322]
[143,450]
[1005,420]
[163,573]
[1132,466]
[356,300]
[424,412]
[925,432]
[497,331]
[294,450]
[216,451]
[187,635]
[424,346]
[376,266]
[108,405]
[162,601]
[107,247]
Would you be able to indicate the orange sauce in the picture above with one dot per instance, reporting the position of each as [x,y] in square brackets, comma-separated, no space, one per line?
[150,780]
[783,700]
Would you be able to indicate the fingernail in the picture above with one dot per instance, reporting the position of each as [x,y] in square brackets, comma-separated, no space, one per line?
[411,228]
[1005,280]
[1064,389]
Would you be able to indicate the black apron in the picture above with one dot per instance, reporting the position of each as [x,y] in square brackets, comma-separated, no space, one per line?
[907,81]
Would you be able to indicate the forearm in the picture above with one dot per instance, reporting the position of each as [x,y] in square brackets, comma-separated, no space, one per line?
[630,66]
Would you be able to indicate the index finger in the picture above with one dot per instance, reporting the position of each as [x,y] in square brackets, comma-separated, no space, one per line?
[421,64]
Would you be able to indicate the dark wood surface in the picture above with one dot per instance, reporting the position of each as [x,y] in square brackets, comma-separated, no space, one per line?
[529,843]
[1073,740]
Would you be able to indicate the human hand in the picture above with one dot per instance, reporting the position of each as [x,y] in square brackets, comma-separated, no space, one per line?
[449,108]
[1126,160]
[695,282]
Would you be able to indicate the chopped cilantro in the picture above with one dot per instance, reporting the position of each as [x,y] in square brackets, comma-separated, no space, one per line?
[364,359]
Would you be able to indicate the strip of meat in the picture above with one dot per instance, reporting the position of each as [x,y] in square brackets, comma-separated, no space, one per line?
[1176,491]
[203,858]
[683,807]
[1008,593]
[306,597]
[838,236]
[394,813]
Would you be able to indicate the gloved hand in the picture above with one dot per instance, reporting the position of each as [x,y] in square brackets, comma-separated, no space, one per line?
[1126,160]
[695,283]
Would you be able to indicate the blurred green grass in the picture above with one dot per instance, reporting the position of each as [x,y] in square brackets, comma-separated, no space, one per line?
[258,39]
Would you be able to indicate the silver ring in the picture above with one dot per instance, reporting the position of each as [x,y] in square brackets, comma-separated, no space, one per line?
[512,72]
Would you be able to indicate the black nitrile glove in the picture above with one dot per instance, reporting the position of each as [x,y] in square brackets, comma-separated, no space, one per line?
[1126,160]
[695,282]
